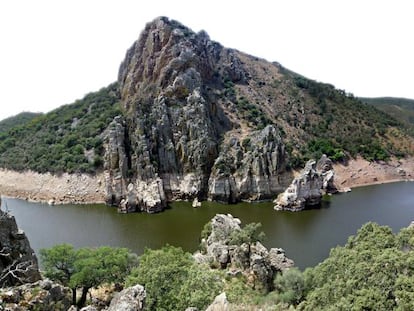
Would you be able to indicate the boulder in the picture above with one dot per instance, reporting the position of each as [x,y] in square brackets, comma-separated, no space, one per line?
[196,203]
[220,303]
[129,299]
[278,260]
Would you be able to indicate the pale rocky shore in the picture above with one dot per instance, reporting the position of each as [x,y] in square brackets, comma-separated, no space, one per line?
[53,189]
[359,172]
[83,188]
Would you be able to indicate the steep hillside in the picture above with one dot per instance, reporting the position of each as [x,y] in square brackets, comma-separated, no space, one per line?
[17,120]
[68,139]
[195,119]
[400,108]
[203,121]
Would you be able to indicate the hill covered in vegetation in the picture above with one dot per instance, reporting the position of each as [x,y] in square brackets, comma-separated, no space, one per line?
[197,119]
[17,120]
[68,139]
[401,109]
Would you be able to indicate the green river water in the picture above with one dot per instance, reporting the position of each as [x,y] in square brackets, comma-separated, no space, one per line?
[306,236]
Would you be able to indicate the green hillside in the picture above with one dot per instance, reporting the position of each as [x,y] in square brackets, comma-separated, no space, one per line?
[235,102]
[17,120]
[68,139]
[400,108]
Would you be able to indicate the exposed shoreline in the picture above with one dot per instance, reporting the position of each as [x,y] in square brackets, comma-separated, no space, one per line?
[359,172]
[89,189]
[53,189]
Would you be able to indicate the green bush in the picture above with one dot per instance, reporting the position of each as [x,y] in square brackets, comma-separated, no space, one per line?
[250,233]
[290,286]
[173,281]
[373,271]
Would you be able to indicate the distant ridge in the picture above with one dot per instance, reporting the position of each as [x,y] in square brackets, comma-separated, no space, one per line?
[400,108]
[18,120]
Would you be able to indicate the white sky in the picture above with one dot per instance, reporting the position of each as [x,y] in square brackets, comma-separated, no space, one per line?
[53,52]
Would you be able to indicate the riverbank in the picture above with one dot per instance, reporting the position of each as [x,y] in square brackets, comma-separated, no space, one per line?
[360,172]
[53,189]
[83,188]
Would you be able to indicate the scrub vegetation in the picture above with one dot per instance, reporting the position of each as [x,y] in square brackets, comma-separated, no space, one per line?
[373,271]
[68,139]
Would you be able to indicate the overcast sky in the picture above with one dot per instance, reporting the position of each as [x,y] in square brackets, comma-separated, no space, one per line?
[54,52]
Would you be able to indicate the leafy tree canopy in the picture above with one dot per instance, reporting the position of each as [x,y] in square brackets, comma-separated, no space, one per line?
[174,281]
[86,268]
[373,271]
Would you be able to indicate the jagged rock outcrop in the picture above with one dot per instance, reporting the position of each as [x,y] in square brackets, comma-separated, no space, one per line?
[43,295]
[223,248]
[325,169]
[178,134]
[130,299]
[316,179]
[18,262]
[251,169]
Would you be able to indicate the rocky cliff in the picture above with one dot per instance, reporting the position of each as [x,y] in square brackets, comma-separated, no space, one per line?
[180,138]
[18,262]
[203,121]
[306,190]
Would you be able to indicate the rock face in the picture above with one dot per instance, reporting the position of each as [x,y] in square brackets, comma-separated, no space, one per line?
[178,139]
[307,189]
[224,249]
[252,169]
[18,262]
[130,299]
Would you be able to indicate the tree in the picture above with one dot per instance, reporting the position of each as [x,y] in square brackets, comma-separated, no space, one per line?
[86,268]
[250,233]
[58,263]
[173,281]
[291,286]
[373,271]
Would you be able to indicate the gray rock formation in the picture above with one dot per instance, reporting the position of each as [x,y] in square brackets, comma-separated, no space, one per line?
[177,140]
[249,257]
[130,299]
[220,303]
[307,189]
[116,161]
[42,295]
[18,262]
[325,169]
[252,169]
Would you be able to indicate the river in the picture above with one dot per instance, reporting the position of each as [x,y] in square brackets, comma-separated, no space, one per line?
[306,236]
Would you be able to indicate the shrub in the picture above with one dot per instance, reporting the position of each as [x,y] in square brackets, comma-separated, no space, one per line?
[173,280]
